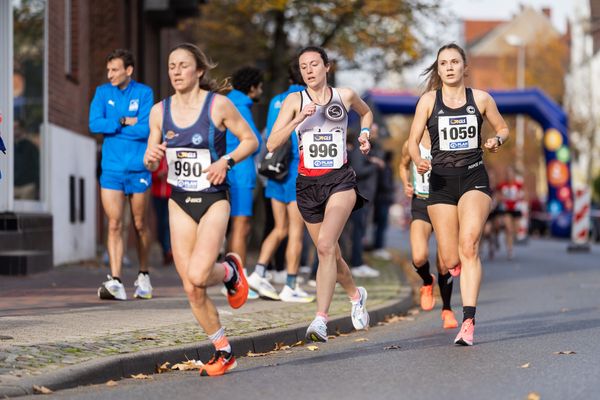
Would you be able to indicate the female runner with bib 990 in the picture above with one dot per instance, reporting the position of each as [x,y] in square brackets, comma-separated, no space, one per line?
[326,190]
[189,128]
[459,190]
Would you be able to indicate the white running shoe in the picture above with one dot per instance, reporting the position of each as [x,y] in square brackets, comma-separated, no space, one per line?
[382,254]
[296,295]
[317,330]
[112,289]
[359,314]
[364,271]
[262,286]
[143,287]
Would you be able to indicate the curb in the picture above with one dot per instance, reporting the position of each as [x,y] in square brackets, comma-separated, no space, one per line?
[146,362]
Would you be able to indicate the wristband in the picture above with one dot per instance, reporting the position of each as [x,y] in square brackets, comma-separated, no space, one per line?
[367,131]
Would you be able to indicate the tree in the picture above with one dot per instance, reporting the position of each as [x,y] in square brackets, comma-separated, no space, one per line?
[377,35]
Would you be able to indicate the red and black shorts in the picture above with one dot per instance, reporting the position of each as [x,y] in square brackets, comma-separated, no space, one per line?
[313,192]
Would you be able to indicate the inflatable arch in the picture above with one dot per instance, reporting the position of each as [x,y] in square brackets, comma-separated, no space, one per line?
[542,109]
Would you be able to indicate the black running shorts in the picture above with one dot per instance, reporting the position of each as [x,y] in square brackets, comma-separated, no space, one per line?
[195,204]
[313,192]
[447,185]
[418,209]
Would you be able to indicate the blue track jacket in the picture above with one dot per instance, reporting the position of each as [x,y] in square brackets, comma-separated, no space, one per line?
[123,148]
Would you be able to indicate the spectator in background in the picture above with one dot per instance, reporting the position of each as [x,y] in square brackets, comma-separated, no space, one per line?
[247,89]
[510,192]
[385,196]
[161,191]
[120,110]
[367,169]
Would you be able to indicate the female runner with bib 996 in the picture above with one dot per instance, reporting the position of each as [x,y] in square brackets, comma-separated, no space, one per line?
[459,189]
[326,190]
[189,129]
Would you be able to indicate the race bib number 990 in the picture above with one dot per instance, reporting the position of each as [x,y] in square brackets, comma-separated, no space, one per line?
[185,168]
[458,132]
[323,150]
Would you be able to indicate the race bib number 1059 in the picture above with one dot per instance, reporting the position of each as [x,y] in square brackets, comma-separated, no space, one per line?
[458,132]
[323,150]
[186,166]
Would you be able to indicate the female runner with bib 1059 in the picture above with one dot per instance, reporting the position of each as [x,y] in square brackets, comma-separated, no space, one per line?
[326,190]
[459,190]
[189,128]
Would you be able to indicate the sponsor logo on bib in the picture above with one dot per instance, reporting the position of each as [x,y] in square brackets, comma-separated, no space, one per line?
[458,121]
[323,164]
[186,154]
[323,137]
[187,184]
[334,112]
[459,145]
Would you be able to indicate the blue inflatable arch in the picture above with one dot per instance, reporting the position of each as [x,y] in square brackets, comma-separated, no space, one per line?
[539,107]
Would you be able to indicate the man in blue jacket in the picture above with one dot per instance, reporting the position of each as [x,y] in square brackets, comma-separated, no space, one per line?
[120,111]
[247,89]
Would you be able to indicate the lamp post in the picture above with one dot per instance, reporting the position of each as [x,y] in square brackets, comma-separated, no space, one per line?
[517,42]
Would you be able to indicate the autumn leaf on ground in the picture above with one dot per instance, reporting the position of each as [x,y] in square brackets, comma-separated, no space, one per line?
[312,348]
[252,354]
[279,346]
[527,365]
[111,383]
[392,347]
[41,390]
[533,396]
[413,311]
[163,368]
[298,343]
[362,339]
[566,352]
[187,365]
[331,337]
[140,376]
[145,338]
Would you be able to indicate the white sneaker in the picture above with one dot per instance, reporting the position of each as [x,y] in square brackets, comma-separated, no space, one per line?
[143,287]
[312,283]
[364,271]
[382,254]
[296,295]
[112,289]
[359,314]
[262,286]
[317,330]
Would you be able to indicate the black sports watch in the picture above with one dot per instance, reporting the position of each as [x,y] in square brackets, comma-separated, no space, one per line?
[500,141]
[122,121]
[230,161]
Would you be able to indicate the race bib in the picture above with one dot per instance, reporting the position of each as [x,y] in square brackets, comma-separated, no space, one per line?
[323,150]
[420,182]
[458,132]
[185,168]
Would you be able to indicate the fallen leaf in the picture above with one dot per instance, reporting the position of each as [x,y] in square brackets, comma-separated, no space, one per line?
[140,376]
[41,390]
[567,352]
[163,368]
[533,396]
[187,365]
[298,343]
[392,347]
[252,354]
[362,339]
[111,383]
[145,338]
[331,337]
[280,346]
[526,365]
[312,348]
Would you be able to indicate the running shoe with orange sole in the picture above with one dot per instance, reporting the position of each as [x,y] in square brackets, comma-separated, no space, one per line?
[449,320]
[220,363]
[427,298]
[455,271]
[465,336]
[237,292]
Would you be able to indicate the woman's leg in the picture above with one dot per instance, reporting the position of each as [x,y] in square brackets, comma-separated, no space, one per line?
[279,232]
[509,232]
[295,236]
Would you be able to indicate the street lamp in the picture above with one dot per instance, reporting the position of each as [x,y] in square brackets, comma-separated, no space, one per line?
[517,42]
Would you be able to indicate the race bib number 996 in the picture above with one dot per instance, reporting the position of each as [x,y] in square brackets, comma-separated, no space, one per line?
[323,150]
[458,132]
[185,168]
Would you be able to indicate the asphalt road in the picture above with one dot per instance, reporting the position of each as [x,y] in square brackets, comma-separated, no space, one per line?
[544,302]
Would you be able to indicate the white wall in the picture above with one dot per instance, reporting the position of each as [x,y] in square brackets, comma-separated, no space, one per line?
[72,154]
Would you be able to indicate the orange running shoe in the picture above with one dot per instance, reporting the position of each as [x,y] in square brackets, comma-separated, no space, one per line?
[237,289]
[427,299]
[455,271]
[449,320]
[219,364]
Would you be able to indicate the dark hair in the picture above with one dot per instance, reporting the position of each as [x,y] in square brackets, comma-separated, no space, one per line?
[315,49]
[125,55]
[433,80]
[204,64]
[294,74]
[245,78]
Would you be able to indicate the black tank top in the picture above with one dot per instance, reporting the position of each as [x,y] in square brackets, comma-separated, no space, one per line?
[455,133]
